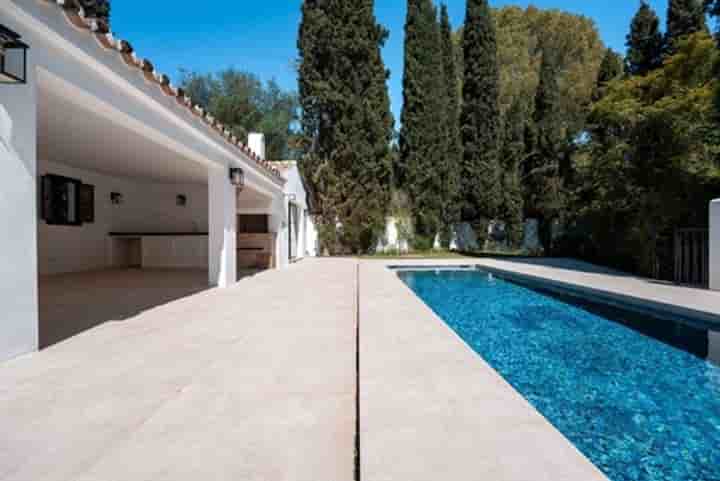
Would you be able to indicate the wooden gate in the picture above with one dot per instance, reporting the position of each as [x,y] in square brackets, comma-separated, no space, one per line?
[692,257]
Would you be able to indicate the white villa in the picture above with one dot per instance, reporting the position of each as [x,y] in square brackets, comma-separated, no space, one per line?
[106,165]
[136,228]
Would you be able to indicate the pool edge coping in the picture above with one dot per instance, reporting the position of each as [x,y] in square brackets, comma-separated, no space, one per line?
[656,308]
[481,363]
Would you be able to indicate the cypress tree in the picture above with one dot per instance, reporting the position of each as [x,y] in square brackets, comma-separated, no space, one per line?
[644,42]
[346,120]
[423,137]
[684,17]
[480,118]
[453,153]
[543,193]
[513,155]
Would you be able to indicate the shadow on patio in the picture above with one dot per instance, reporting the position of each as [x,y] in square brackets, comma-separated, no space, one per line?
[73,303]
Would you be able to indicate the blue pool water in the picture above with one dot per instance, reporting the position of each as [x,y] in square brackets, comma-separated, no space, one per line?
[634,393]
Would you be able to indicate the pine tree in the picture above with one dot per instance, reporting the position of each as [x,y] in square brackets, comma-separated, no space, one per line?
[644,42]
[684,18]
[453,154]
[480,118]
[423,137]
[346,120]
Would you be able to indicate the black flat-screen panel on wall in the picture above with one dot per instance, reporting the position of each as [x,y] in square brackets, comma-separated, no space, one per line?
[60,200]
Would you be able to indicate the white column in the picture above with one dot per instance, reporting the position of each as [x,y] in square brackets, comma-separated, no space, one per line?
[715,245]
[222,217]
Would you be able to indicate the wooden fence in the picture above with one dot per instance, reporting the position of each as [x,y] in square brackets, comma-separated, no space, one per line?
[692,257]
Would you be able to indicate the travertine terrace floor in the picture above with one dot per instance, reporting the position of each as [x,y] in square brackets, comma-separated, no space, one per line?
[255,382]
[259,382]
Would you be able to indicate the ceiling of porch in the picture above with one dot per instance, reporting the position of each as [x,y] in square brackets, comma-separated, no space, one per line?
[72,133]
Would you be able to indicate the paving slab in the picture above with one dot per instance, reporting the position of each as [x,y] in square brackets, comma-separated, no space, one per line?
[254,382]
[431,408]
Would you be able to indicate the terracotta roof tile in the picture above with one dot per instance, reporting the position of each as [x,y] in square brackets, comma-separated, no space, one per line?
[76,15]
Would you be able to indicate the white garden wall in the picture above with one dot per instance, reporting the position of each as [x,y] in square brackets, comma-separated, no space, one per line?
[393,241]
[146,207]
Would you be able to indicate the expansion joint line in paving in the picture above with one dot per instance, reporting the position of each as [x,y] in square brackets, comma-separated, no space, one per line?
[357,372]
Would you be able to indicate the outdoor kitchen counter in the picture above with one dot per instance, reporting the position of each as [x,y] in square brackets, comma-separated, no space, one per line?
[166,250]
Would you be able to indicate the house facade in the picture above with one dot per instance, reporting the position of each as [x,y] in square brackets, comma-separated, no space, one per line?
[104,164]
[302,235]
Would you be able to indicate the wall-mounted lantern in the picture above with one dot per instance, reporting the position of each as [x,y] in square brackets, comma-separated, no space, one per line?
[237,177]
[13,57]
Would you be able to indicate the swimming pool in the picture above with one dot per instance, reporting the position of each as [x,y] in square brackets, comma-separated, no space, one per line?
[634,393]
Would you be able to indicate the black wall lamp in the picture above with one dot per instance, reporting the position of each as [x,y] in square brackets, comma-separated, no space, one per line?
[237,177]
[13,57]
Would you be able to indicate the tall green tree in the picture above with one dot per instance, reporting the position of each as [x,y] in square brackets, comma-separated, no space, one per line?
[544,192]
[651,162]
[423,136]
[243,103]
[610,69]
[684,17]
[453,152]
[522,37]
[644,42]
[480,118]
[513,155]
[346,121]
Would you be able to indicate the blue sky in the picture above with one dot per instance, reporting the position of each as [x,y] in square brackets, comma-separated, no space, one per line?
[260,36]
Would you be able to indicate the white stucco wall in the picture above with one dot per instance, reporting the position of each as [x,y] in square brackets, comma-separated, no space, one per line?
[18,204]
[146,207]
[715,244]
[307,234]
[312,241]
[295,192]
